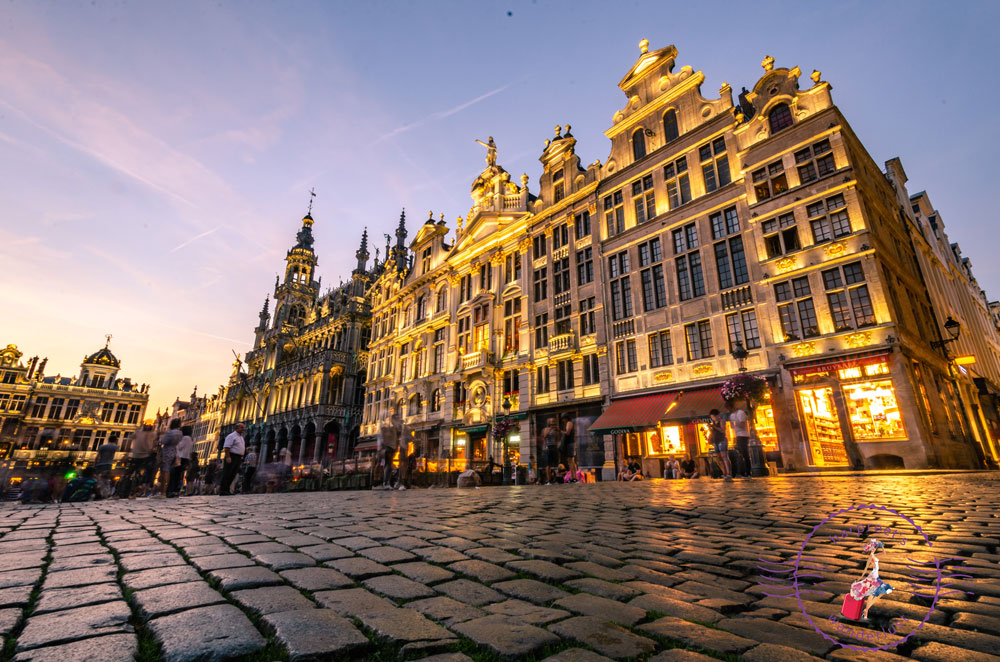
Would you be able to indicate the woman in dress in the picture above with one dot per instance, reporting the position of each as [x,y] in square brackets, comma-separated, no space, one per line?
[870,586]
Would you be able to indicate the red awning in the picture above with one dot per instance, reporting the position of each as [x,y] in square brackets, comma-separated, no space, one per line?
[633,414]
[696,403]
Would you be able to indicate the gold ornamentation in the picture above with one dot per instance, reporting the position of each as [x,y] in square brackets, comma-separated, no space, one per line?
[815,75]
[804,349]
[548,231]
[703,369]
[767,63]
[602,350]
[859,339]
[661,377]
[644,46]
[497,258]
[785,264]
[524,245]
[833,250]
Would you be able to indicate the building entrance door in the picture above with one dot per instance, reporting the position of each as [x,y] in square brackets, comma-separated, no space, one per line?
[824,438]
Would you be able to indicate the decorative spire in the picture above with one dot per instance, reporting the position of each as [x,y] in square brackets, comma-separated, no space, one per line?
[644,46]
[312,196]
[107,341]
[267,302]
[401,229]
[362,253]
[767,63]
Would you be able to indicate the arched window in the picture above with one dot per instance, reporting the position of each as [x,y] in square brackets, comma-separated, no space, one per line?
[670,131]
[436,400]
[780,118]
[421,307]
[442,300]
[638,144]
[414,408]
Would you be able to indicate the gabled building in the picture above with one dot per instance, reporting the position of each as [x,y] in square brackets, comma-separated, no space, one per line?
[301,387]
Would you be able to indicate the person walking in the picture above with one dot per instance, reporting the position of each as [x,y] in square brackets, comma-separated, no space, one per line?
[193,475]
[168,455]
[249,469]
[177,471]
[103,465]
[551,438]
[569,449]
[234,447]
[141,464]
[719,443]
[390,443]
[740,422]
[211,468]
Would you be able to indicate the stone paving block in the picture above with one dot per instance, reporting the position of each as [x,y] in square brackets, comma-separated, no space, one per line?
[65,551]
[531,590]
[604,637]
[491,554]
[397,588]
[135,562]
[141,546]
[938,652]
[207,550]
[706,591]
[317,579]
[406,542]
[300,540]
[386,554]
[245,538]
[234,579]
[58,599]
[680,655]
[481,570]
[285,560]
[692,634]
[22,560]
[272,599]
[101,574]
[544,570]
[469,592]
[253,549]
[526,611]
[9,618]
[353,602]
[425,573]
[15,546]
[604,588]
[436,554]
[977,622]
[601,572]
[593,605]
[156,577]
[315,634]
[776,653]
[16,596]
[445,610]
[77,562]
[109,648]
[326,552]
[72,624]
[770,632]
[576,655]
[356,542]
[447,657]
[234,560]
[678,608]
[505,635]
[219,632]
[403,625]
[977,641]
[359,568]
[153,602]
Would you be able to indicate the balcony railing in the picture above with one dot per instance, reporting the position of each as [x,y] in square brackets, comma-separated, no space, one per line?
[565,342]
[623,328]
[475,359]
[737,298]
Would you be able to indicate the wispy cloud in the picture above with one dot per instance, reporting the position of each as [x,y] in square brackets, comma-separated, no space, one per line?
[441,114]
[192,240]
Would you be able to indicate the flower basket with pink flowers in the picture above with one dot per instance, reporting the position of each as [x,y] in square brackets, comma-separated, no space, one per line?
[745,387]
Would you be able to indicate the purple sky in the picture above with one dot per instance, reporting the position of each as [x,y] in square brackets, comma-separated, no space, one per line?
[157,158]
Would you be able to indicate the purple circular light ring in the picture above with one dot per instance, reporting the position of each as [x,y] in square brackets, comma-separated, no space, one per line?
[798,596]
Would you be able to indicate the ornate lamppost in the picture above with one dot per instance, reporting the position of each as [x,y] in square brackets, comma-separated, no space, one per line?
[749,388]
[506,440]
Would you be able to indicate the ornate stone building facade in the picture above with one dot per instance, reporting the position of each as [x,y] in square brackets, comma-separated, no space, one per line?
[56,420]
[302,386]
[203,413]
[610,303]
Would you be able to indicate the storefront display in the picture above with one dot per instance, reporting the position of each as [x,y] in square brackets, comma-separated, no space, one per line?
[764,424]
[665,440]
[874,412]
[822,424]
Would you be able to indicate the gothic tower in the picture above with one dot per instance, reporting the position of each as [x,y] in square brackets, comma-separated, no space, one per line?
[297,294]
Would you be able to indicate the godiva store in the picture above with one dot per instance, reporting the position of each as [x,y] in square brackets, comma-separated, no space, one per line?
[853,395]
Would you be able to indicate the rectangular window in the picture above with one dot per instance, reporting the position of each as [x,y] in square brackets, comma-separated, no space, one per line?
[512,267]
[439,358]
[538,246]
[751,335]
[678,186]
[464,334]
[614,213]
[643,199]
[55,409]
[564,374]
[626,359]
[541,330]
[581,224]
[661,352]
[425,260]
[781,235]
[38,409]
[560,275]
[511,325]
[562,319]
[557,185]
[714,164]
[587,321]
[836,224]
[621,290]
[542,379]
[815,161]
[770,181]
[699,340]
[848,296]
[560,236]
[120,412]
[541,284]
[72,407]
[585,266]
[591,370]
[511,381]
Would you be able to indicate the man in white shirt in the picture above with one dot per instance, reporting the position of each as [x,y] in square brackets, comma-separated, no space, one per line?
[233,447]
[741,430]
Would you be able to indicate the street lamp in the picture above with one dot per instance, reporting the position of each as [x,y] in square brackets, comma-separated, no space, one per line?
[740,353]
[954,329]
[506,440]
[755,450]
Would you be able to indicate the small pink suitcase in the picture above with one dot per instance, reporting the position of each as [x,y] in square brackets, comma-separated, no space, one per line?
[851,608]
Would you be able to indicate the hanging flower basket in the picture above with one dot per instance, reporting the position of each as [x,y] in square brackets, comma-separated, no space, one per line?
[745,387]
[501,427]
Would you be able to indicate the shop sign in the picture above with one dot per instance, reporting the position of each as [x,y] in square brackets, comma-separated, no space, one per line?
[845,369]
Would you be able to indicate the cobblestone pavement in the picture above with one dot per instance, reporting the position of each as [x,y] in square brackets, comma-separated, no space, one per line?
[662,570]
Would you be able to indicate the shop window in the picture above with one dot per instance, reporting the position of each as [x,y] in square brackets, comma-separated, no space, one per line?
[815,161]
[848,296]
[670,130]
[764,425]
[665,440]
[581,224]
[699,340]
[714,164]
[829,219]
[873,411]
[780,118]
[675,175]
[781,235]
[798,315]
[614,213]
[587,317]
[822,424]
[770,181]
[643,199]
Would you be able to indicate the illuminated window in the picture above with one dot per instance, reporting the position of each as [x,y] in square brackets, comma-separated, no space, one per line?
[781,235]
[822,426]
[614,213]
[799,313]
[815,161]
[770,181]
[848,296]
[665,441]
[678,184]
[826,226]
[780,118]
[643,199]
[558,189]
[511,325]
[873,411]
[714,164]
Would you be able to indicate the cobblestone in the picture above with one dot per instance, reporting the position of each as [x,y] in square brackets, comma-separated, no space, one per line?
[625,571]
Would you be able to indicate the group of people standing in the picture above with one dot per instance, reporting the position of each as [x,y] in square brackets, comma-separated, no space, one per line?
[559,456]
[390,440]
[739,420]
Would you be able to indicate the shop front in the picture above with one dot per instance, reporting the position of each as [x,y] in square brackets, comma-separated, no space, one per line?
[848,409]
[575,421]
